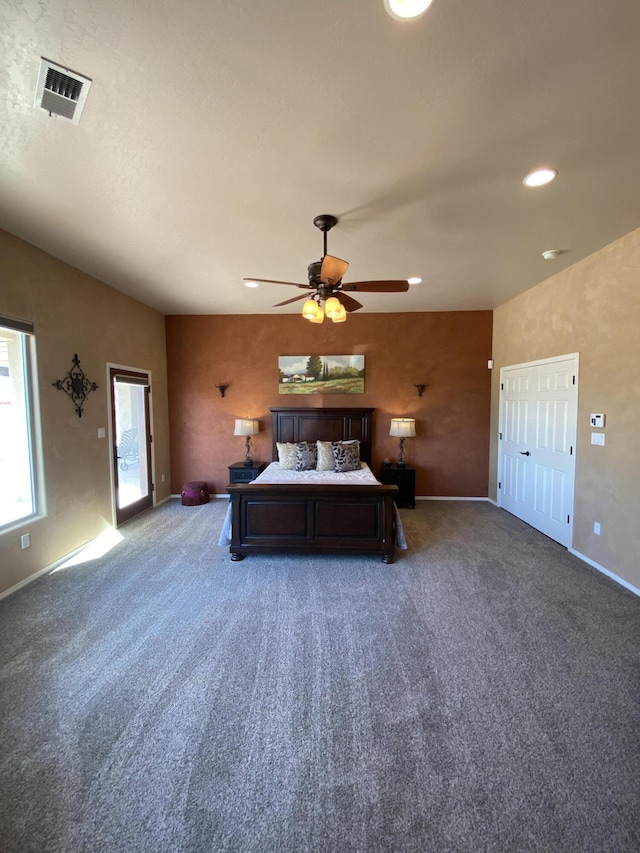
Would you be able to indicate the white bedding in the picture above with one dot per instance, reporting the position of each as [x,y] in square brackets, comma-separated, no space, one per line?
[274,473]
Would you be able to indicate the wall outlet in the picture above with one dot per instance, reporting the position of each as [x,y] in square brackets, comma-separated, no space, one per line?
[25,541]
[162,478]
[101,432]
[596,528]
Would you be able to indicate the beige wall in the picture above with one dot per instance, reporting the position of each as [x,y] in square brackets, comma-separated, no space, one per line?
[74,313]
[592,308]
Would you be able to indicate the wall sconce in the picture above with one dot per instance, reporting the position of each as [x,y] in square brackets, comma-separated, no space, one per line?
[420,388]
[402,428]
[222,389]
[247,427]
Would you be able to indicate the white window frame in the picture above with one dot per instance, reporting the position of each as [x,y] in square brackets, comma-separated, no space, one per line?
[32,413]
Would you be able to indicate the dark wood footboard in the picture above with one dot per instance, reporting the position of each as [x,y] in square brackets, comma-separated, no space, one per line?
[304,519]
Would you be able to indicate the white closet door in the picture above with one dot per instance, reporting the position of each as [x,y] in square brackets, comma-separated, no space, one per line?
[538,410]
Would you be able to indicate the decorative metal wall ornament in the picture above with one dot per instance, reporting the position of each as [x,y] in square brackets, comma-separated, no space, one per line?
[76,385]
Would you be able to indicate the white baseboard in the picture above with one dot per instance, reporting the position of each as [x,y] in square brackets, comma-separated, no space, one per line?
[225,496]
[24,582]
[447,498]
[46,570]
[604,571]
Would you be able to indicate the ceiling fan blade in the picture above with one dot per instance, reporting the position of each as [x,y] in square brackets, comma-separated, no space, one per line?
[287,301]
[273,281]
[349,303]
[396,286]
[333,269]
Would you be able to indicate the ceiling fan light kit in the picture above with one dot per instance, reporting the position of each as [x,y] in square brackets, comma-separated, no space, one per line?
[325,282]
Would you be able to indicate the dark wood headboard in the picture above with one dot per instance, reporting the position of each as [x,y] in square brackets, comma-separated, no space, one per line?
[310,424]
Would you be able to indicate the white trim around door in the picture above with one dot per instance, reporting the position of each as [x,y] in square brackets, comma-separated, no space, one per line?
[537,443]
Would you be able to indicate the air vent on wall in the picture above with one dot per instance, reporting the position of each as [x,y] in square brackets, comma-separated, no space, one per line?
[61,92]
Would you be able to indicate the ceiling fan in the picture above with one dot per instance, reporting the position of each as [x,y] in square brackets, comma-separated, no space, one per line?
[328,289]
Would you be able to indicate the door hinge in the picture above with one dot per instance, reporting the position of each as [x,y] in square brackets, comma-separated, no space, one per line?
[150,439]
[567,519]
[574,380]
[571,450]
[499,485]
[502,386]
[499,436]
[153,487]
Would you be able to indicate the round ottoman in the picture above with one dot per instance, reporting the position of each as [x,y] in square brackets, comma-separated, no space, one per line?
[194,494]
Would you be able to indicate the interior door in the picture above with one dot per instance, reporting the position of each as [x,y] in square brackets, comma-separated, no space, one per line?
[539,403]
[131,431]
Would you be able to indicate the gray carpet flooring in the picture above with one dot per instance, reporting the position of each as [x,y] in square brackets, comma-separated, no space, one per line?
[480,694]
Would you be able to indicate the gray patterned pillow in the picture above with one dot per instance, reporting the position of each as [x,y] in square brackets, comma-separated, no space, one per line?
[347,455]
[306,456]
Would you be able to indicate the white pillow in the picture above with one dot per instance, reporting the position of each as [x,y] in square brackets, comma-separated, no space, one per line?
[286,455]
[326,459]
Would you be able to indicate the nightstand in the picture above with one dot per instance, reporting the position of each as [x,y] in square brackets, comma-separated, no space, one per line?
[241,473]
[405,480]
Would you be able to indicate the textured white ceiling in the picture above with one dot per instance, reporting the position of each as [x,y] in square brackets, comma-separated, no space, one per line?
[215,130]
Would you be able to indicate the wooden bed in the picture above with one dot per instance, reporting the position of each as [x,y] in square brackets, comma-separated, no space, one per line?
[314,519]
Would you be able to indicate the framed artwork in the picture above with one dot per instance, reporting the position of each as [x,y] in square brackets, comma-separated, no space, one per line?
[321,374]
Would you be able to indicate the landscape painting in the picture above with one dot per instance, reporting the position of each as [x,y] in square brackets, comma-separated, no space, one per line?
[321,374]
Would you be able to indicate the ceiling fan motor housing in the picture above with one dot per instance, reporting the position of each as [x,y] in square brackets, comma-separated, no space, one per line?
[313,272]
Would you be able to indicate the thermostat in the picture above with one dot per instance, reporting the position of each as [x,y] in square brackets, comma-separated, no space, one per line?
[598,421]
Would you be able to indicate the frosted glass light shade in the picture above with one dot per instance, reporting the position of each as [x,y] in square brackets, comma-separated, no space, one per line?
[310,309]
[319,315]
[332,307]
[341,316]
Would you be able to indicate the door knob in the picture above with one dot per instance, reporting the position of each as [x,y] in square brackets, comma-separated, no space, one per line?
[525,453]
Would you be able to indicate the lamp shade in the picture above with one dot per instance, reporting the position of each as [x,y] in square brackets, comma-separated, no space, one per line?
[403,427]
[246,426]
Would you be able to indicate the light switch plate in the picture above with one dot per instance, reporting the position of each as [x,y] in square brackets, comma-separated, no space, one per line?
[598,421]
[101,432]
[597,438]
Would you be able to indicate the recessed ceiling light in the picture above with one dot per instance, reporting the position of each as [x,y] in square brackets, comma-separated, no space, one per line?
[406,10]
[249,283]
[540,177]
[414,280]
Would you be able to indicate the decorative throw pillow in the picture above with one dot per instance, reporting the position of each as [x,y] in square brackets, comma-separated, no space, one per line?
[286,455]
[326,459]
[346,455]
[306,456]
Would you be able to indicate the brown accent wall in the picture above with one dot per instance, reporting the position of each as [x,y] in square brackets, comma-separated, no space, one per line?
[592,308]
[448,351]
[74,313]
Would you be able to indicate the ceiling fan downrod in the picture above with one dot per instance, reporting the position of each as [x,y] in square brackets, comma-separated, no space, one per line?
[325,222]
